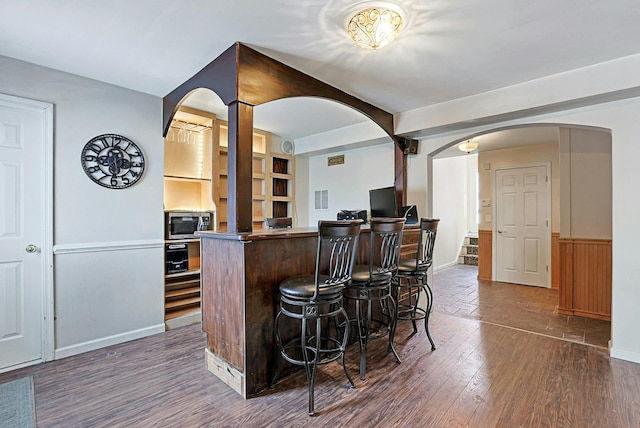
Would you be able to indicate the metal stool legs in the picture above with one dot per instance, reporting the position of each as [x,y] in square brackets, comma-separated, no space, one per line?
[313,346]
[364,319]
[415,286]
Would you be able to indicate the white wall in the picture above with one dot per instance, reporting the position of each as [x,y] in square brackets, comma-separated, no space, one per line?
[450,206]
[537,154]
[621,118]
[349,184]
[108,244]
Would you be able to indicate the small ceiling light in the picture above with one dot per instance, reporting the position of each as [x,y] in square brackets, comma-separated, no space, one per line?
[468,146]
[375,27]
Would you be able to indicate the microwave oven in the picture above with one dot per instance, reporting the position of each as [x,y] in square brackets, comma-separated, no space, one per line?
[183,225]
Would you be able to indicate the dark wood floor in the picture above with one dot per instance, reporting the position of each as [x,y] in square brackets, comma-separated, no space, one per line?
[481,375]
[534,309]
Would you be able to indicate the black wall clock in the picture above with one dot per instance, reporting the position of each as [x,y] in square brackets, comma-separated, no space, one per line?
[112,161]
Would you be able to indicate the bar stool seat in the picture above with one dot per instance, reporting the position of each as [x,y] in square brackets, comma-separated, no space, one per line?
[412,279]
[304,286]
[371,283]
[316,301]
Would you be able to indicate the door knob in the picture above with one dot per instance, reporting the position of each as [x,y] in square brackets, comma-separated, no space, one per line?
[501,231]
[31,248]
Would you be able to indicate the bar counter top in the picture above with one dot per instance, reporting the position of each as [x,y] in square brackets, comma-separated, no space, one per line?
[297,232]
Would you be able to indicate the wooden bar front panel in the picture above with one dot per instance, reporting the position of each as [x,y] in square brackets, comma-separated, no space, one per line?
[222,299]
[240,280]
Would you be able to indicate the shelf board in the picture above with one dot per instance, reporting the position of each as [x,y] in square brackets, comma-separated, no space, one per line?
[191,291]
[282,176]
[258,175]
[180,274]
[176,178]
[193,310]
[225,149]
[258,197]
[181,241]
[177,285]
[282,198]
[180,303]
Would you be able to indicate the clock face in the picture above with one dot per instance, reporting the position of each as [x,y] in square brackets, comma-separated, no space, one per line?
[112,161]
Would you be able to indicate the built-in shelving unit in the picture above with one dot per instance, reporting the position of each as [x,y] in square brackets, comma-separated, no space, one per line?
[188,186]
[182,289]
[260,187]
[281,185]
[196,178]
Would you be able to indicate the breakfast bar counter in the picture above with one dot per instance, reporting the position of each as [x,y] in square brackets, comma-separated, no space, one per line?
[240,276]
[240,297]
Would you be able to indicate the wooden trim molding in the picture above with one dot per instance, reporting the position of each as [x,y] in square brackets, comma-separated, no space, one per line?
[585,277]
[555,260]
[485,261]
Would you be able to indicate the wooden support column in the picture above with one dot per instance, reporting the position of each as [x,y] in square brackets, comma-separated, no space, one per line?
[240,170]
[400,175]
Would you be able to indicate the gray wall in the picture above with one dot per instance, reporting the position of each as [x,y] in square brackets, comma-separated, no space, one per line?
[108,276]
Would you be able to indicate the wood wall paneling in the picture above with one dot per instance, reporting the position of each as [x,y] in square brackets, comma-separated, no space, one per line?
[555,261]
[565,276]
[592,278]
[585,278]
[485,261]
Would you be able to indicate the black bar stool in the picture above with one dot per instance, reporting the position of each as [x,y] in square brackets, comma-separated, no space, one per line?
[372,283]
[278,222]
[316,300]
[412,279]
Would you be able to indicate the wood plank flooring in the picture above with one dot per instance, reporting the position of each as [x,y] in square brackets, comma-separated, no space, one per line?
[458,292]
[481,375]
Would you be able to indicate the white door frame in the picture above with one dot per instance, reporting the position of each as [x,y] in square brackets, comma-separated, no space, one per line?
[494,223]
[46,219]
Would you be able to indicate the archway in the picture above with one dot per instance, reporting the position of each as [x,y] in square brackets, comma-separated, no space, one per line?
[581,218]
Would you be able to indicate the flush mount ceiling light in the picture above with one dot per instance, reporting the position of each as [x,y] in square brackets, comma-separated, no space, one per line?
[468,146]
[374,27]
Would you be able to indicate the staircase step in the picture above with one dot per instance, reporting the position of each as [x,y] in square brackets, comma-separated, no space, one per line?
[471,260]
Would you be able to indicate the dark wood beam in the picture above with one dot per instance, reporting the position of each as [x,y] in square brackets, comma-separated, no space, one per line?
[243,78]
[220,76]
[239,170]
[262,79]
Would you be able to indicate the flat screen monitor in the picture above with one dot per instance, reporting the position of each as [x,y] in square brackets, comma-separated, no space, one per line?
[383,202]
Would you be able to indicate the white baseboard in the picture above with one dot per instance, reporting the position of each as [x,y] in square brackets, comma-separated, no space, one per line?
[621,354]
[445,266]
[92,345]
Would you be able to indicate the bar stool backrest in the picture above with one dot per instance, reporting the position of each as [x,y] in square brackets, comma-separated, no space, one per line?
[426,241]
[278,222]
[337,245]
[385,242]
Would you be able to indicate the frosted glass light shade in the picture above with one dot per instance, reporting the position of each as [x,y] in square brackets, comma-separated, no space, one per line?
[375,27]
[468,146]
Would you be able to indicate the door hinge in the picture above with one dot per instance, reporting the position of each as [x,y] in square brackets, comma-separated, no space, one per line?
[547,223]
[546,178]
[547,268]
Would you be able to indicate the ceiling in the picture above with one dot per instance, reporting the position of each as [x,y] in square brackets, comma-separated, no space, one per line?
[446,51]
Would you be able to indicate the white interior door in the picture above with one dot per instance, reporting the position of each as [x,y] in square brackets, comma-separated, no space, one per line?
[24,230]
[523,237]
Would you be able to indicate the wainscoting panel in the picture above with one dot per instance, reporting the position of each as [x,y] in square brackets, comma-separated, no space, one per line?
[485,262]
[585,277]
[555,261]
